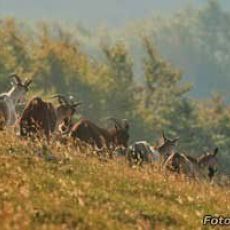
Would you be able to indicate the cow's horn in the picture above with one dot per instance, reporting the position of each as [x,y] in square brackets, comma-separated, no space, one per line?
[116,121]
[125,123]
[16,78]
[61,99]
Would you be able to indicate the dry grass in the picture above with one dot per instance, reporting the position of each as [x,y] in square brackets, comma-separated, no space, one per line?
[57,187]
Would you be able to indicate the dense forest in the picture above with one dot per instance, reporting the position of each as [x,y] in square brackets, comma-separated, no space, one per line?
[149,76]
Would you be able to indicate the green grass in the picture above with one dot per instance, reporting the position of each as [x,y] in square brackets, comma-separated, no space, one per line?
[78,191]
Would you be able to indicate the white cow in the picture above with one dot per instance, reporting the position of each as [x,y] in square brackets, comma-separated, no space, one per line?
[142,151]
[9,100]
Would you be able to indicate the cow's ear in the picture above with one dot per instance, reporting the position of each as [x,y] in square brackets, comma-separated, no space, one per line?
[116,127]
[75,105]
[163,136]
[15,79]
[175,140]
[126,124]
[27,83]
[13,83]
[216,151]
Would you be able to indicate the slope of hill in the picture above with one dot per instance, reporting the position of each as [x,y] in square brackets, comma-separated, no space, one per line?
[77,191]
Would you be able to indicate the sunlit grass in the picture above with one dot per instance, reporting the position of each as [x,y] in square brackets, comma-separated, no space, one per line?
[73,190]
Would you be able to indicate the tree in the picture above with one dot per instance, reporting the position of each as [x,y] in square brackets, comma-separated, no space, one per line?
[162,90]
[14,55]
[120,96]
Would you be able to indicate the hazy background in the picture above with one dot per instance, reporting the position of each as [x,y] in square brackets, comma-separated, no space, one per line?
[91,13]
[127,19]
[164,65]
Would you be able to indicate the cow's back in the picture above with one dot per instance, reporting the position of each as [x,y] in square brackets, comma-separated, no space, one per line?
[38,116]
[51,117]
[88,132]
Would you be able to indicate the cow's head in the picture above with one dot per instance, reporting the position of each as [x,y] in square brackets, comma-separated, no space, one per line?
[65,126]
[66,109]
[168,145]
[209,159]
[121,132]
[20,87]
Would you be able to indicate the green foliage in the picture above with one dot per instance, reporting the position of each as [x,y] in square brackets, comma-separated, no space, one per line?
[162,90]
[120,95]
[14,55]
[196,40]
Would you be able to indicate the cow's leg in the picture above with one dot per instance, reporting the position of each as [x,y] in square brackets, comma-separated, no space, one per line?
[129,156]
[211,173]
[2,122]
[4,113]
[98,141]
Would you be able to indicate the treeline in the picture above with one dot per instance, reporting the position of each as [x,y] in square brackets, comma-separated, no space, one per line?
[54,58]
[197,41]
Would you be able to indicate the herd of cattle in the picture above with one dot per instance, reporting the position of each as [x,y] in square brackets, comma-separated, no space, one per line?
[40,118]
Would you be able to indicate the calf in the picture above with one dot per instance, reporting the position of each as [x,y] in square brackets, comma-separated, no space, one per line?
[142,151]
[179,161]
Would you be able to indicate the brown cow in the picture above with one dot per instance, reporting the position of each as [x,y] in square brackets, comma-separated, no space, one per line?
[43,117]
[88,132]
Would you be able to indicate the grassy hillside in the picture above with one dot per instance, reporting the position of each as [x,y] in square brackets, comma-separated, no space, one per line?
[78,191]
